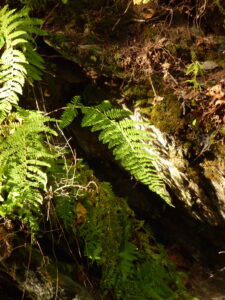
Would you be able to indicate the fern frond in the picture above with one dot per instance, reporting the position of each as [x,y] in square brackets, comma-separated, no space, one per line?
[24,159]
[18,59]
[127,143]
[70,112]
[128,251]
[127,256]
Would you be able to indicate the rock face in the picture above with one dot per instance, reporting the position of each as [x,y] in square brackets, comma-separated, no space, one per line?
[198,183]
[42,279]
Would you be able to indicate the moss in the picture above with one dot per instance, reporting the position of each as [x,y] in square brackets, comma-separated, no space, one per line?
[172,48]
[150,32]
[133,91]
[137,92]
[222,63]
[167,115]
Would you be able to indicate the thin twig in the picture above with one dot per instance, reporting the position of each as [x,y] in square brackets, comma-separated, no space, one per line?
[54,111]
[117,22]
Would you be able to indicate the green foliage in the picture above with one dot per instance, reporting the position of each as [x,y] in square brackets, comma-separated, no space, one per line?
[24,158]
[221,8]
[18,58]
[128,251]
[70,112]
[195,70]
[24,155]
[69,179]
[101,231]
[106,231]
[124,136]
[133,265]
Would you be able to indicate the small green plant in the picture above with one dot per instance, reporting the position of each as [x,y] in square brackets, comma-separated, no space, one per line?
[195,70]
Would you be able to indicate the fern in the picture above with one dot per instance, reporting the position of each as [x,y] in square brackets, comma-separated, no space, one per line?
[128,252]
[106,232]
[18,59]
[102,231]
[132,264]
[70,112]
[127,255]
[24,161]
[124,136]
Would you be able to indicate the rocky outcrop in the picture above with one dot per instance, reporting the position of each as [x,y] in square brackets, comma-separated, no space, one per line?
[197,182]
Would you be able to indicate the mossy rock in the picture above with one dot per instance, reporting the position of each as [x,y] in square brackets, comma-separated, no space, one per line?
[167,115]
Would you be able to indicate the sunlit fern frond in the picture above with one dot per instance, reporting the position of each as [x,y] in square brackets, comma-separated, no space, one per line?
[128,143]
[18,59]
[125,137]
[24,160]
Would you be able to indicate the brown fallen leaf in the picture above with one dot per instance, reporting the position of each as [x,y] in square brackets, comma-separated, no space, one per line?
[81,213]
[216,92]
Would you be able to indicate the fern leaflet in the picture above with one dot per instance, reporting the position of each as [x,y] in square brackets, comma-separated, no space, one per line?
[70,112]
[128,252]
